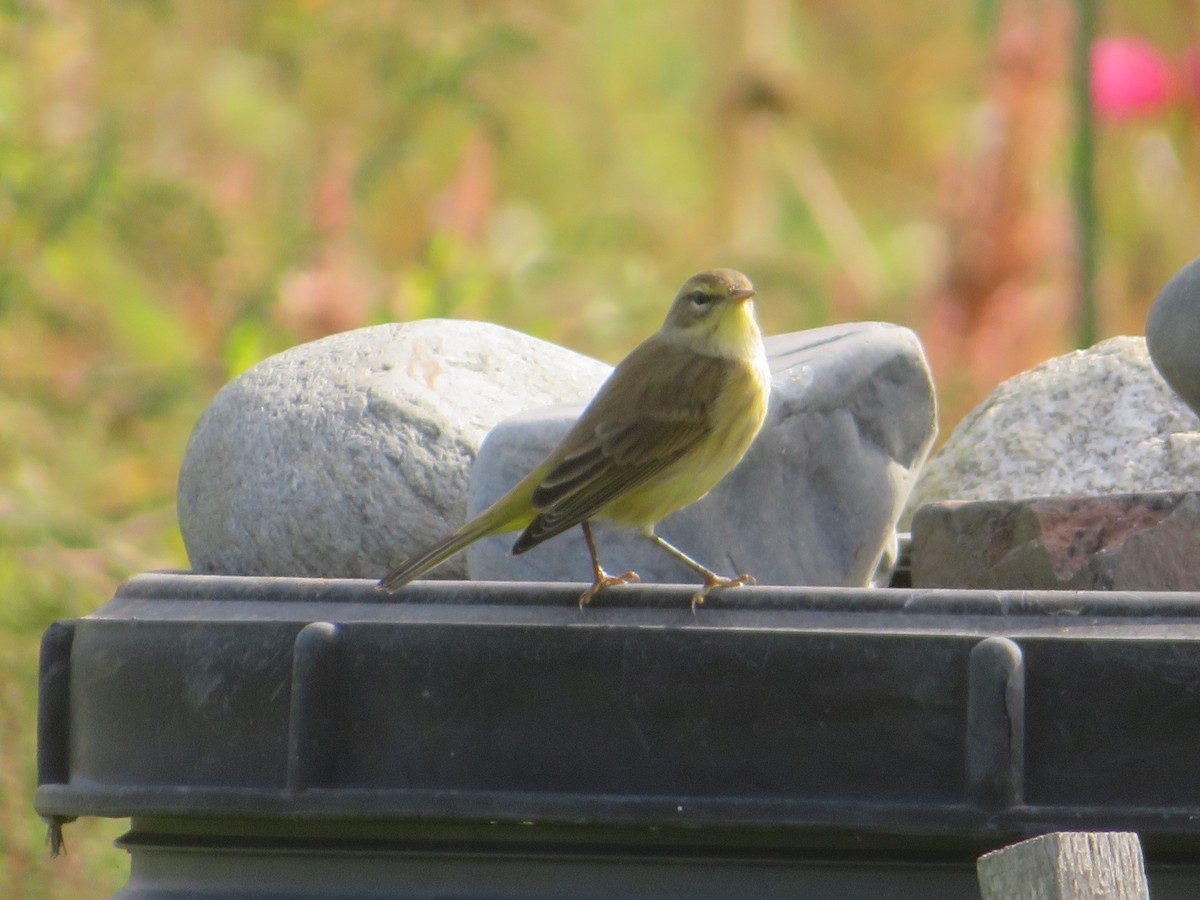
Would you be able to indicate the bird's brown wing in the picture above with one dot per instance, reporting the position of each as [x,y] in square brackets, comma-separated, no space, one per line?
[618,446]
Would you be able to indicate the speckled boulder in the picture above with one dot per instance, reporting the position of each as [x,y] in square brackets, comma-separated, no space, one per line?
[1094,421]
[340,457]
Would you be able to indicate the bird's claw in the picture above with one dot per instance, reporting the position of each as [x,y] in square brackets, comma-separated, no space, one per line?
[719,582]
[604,580]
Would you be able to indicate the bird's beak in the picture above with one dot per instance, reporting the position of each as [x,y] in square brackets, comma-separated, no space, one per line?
[741,296]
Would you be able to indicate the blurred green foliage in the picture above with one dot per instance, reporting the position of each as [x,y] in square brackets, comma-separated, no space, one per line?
[186,188]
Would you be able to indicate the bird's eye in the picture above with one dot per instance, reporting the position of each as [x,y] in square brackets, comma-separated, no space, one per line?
[700,299]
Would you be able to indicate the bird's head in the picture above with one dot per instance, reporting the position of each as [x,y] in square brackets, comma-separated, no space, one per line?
[714,311]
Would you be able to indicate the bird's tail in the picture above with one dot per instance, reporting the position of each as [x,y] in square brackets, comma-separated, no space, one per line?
[418,565]
[511,512]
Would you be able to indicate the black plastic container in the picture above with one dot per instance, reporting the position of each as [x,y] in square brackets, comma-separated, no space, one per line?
[306,738]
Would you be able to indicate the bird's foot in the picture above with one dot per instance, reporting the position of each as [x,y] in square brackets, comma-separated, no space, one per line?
[604,580]
[717,581]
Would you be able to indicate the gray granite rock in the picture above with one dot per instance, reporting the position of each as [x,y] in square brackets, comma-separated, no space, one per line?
[1094,421]
[342,456]
[1173,333]
[1121,542]
[814,501]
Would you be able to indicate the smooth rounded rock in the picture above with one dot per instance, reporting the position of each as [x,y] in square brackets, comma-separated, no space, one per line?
[814,501]
[340,457]
[1094,421]
[1173,333]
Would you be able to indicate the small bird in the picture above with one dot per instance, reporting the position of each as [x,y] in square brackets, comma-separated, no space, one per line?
[672,419]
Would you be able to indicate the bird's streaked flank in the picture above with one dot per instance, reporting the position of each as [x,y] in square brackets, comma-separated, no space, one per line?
[673,418]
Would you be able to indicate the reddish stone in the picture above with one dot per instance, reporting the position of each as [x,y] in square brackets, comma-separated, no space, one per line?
[1145,542]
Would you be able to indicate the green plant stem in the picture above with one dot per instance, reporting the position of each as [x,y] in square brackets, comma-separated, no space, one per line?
[1083,181]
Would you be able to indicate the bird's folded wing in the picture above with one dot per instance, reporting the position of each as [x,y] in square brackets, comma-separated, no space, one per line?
[617,458]
[654,409]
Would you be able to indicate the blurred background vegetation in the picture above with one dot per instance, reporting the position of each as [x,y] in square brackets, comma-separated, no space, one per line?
[188,187]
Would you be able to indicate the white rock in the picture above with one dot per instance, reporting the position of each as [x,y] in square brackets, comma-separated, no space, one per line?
[340,457]
[1094,421]
[815,500]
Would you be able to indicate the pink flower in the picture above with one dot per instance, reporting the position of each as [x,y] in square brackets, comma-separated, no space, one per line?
[1130,79]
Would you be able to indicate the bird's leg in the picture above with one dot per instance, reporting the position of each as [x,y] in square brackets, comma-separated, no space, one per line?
[711,578]
[601,579]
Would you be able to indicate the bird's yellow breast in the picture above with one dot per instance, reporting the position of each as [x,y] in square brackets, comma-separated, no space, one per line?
[737,414]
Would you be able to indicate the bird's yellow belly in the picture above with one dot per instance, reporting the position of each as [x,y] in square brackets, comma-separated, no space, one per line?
[737,415]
